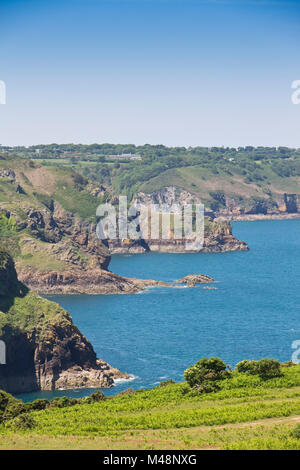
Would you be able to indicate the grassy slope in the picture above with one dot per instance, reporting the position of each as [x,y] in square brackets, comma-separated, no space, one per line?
[54,182]
[33,313]
[246,413]
[202,180]
[23,310]
[41,185]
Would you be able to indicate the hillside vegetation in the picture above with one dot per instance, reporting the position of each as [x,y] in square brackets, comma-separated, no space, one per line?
[262,174]
[47,219]
[248,412]
[48,224]
[44,349]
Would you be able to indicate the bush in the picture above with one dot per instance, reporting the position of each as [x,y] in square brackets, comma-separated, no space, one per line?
[97,396]
[206,369]
[60,402]
[40,404]
[86,400]
[13,410]
[74,401]
[265,368]
[247,367]
[24,421]
[268,368]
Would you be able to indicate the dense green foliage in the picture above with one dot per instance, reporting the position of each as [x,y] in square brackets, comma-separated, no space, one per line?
[204,372]
[174,408]
[260,170]
[266,368]
[241,397]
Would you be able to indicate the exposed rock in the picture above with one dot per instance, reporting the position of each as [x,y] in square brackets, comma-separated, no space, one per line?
[78,281]
[192,279]
[45,350]
[8,173]
[217,236]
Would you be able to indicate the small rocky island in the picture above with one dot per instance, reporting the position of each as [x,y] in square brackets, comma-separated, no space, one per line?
[192,279]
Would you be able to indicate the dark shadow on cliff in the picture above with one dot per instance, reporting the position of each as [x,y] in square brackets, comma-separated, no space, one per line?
[7,301]
[18,374]
[10,287]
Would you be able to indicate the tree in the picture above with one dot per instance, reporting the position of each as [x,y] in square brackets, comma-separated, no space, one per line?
[265,368]
[207,369]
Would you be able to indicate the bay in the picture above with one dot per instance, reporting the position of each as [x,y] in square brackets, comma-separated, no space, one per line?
[155,335]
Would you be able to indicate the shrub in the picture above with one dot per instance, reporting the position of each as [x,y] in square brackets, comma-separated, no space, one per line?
[268,368]
[86,400]
[74,401]
[24,421]
[97,396]
[13,410]
[206,369]
[265,368]
[247,367]
[60,402]
[40,404]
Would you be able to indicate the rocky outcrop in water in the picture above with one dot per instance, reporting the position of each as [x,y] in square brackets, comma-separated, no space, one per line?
[218,238]
[192,279]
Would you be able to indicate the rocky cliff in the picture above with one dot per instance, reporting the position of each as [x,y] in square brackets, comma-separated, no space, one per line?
[218,235]
[48,223]
[44,349]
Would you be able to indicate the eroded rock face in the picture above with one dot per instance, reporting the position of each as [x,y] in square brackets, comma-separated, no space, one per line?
[9,284]
[74,260]
[66,232]
[193,279]
[218,238]
[217,235]
[78,281]
[64,358]
[44,349]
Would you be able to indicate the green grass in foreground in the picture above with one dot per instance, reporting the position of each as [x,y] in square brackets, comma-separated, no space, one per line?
[248,412]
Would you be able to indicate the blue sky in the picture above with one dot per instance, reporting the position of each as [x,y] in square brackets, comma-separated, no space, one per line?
[175,72]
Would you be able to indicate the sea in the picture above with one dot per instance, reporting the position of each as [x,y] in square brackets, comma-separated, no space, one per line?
[156,334]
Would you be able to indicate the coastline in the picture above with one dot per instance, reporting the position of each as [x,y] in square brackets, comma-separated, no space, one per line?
[254,217]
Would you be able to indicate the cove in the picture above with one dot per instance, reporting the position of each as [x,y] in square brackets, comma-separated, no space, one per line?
[157,334]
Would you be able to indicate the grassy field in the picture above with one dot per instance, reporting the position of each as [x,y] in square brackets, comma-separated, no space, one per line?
[247,413]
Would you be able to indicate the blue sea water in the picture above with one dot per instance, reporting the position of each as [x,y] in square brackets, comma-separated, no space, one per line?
[157,334]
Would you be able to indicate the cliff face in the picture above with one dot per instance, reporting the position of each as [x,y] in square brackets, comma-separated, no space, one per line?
[60,253]
[44,349]
[278,205]
[218,235]
[47,221]
[217,238]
